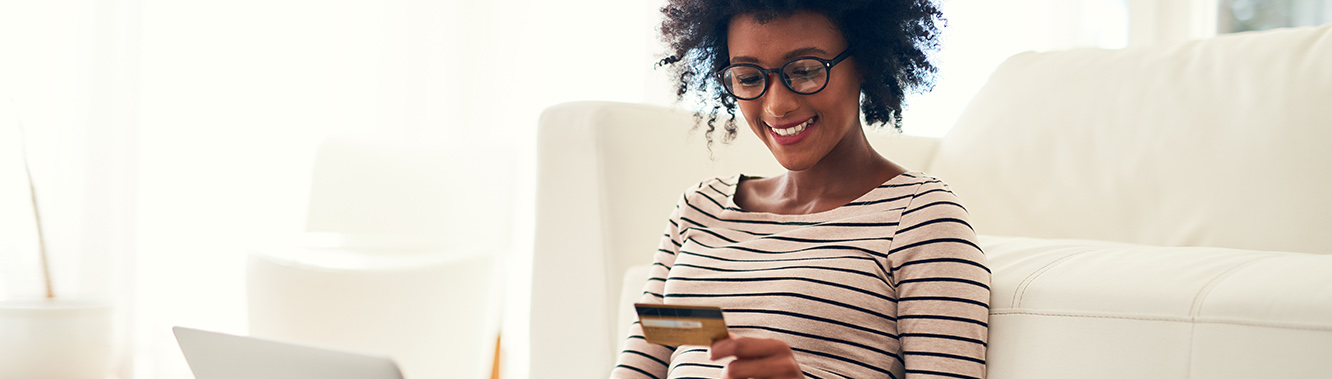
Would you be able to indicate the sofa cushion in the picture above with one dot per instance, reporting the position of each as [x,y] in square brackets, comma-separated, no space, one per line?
[1221,142]
[1070,308]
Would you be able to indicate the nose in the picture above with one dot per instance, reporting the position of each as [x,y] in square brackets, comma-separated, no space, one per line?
[779,100]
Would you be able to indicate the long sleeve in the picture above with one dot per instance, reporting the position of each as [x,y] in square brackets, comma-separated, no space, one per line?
[640,359]
[943,288]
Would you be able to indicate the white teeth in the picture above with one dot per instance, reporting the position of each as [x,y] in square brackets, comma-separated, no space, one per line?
[794,129]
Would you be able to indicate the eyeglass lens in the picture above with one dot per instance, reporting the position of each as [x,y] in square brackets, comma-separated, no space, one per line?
[803,76]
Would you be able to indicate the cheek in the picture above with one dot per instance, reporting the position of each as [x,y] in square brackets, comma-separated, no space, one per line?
[750,111]
[848,88]
[847,98]
[839,103]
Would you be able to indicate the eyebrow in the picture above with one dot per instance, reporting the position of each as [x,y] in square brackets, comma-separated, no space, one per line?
[801,52]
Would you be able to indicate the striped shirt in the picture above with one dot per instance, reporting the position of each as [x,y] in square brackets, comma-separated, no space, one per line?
[891,285]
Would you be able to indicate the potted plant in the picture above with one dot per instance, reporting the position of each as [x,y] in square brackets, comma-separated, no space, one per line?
[50,336]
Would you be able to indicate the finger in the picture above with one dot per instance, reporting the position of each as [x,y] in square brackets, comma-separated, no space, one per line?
[748,348]
[777,366]
[722,348]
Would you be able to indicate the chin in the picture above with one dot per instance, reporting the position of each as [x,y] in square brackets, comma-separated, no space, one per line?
[794,163]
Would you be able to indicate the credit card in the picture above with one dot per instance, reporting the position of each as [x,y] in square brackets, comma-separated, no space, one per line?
[675,325]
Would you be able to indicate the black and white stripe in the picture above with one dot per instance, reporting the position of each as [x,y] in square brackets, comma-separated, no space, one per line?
[889,285]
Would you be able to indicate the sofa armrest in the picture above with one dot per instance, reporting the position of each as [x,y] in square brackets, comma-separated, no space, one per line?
[632,290]
[912,152]
[607,177]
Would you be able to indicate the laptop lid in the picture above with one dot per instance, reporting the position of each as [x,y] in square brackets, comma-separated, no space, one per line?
[213,355]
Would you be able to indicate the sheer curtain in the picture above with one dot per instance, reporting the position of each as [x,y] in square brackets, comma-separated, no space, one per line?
[67,76]
[168,138]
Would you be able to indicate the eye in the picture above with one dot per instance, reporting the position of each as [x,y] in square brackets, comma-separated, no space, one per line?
[805,72]
[749,80]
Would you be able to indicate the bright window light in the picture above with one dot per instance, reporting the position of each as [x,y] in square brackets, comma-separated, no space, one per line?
[982,34]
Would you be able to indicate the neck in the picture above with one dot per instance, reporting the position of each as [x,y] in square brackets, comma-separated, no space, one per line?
[848,170]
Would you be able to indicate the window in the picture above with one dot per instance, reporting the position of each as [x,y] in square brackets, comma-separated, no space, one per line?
[1235,16]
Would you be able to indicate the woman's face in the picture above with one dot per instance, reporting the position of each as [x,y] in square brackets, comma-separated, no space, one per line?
[827,117]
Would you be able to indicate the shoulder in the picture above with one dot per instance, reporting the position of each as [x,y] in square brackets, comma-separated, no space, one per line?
[932,196]
[719,186]
[935,218]
[710,195]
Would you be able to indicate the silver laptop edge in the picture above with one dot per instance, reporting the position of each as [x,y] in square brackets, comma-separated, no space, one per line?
[213,355]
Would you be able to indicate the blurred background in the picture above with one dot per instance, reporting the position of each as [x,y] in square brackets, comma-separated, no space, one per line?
[168,138]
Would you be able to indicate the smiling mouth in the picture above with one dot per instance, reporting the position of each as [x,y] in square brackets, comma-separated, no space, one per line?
[794,130]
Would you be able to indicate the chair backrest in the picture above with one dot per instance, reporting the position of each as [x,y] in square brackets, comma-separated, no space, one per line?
[608,175]
[393,264]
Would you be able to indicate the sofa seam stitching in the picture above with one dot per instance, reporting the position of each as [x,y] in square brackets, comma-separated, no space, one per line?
[1167,319]
[1195,309]
[1026,283]
[1206,291]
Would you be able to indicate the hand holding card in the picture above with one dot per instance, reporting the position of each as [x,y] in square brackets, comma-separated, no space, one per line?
[675,325]
[756,358]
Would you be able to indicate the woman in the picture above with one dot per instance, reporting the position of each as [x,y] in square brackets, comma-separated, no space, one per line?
[846,266]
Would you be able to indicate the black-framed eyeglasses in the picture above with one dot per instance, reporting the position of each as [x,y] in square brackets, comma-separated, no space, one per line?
[803,75]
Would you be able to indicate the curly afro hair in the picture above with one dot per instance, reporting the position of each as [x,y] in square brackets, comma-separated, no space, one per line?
[892,41]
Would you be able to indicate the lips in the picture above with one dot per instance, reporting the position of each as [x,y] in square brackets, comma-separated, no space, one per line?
[791,133]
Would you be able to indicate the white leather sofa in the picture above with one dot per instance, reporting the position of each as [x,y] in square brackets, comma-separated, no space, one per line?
[1159,212]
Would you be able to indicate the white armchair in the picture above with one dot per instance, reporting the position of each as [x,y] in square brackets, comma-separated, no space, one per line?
[386,269]
[1165,211]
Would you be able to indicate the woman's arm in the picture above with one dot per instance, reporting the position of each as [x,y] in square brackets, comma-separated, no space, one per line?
[943,288]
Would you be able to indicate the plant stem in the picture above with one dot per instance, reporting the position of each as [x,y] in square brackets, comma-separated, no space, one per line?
[41,239]
[36,213]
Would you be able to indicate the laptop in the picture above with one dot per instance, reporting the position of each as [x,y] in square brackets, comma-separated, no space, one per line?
[213,355]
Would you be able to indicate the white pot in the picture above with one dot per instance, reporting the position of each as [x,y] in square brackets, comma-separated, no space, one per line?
[63,338]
